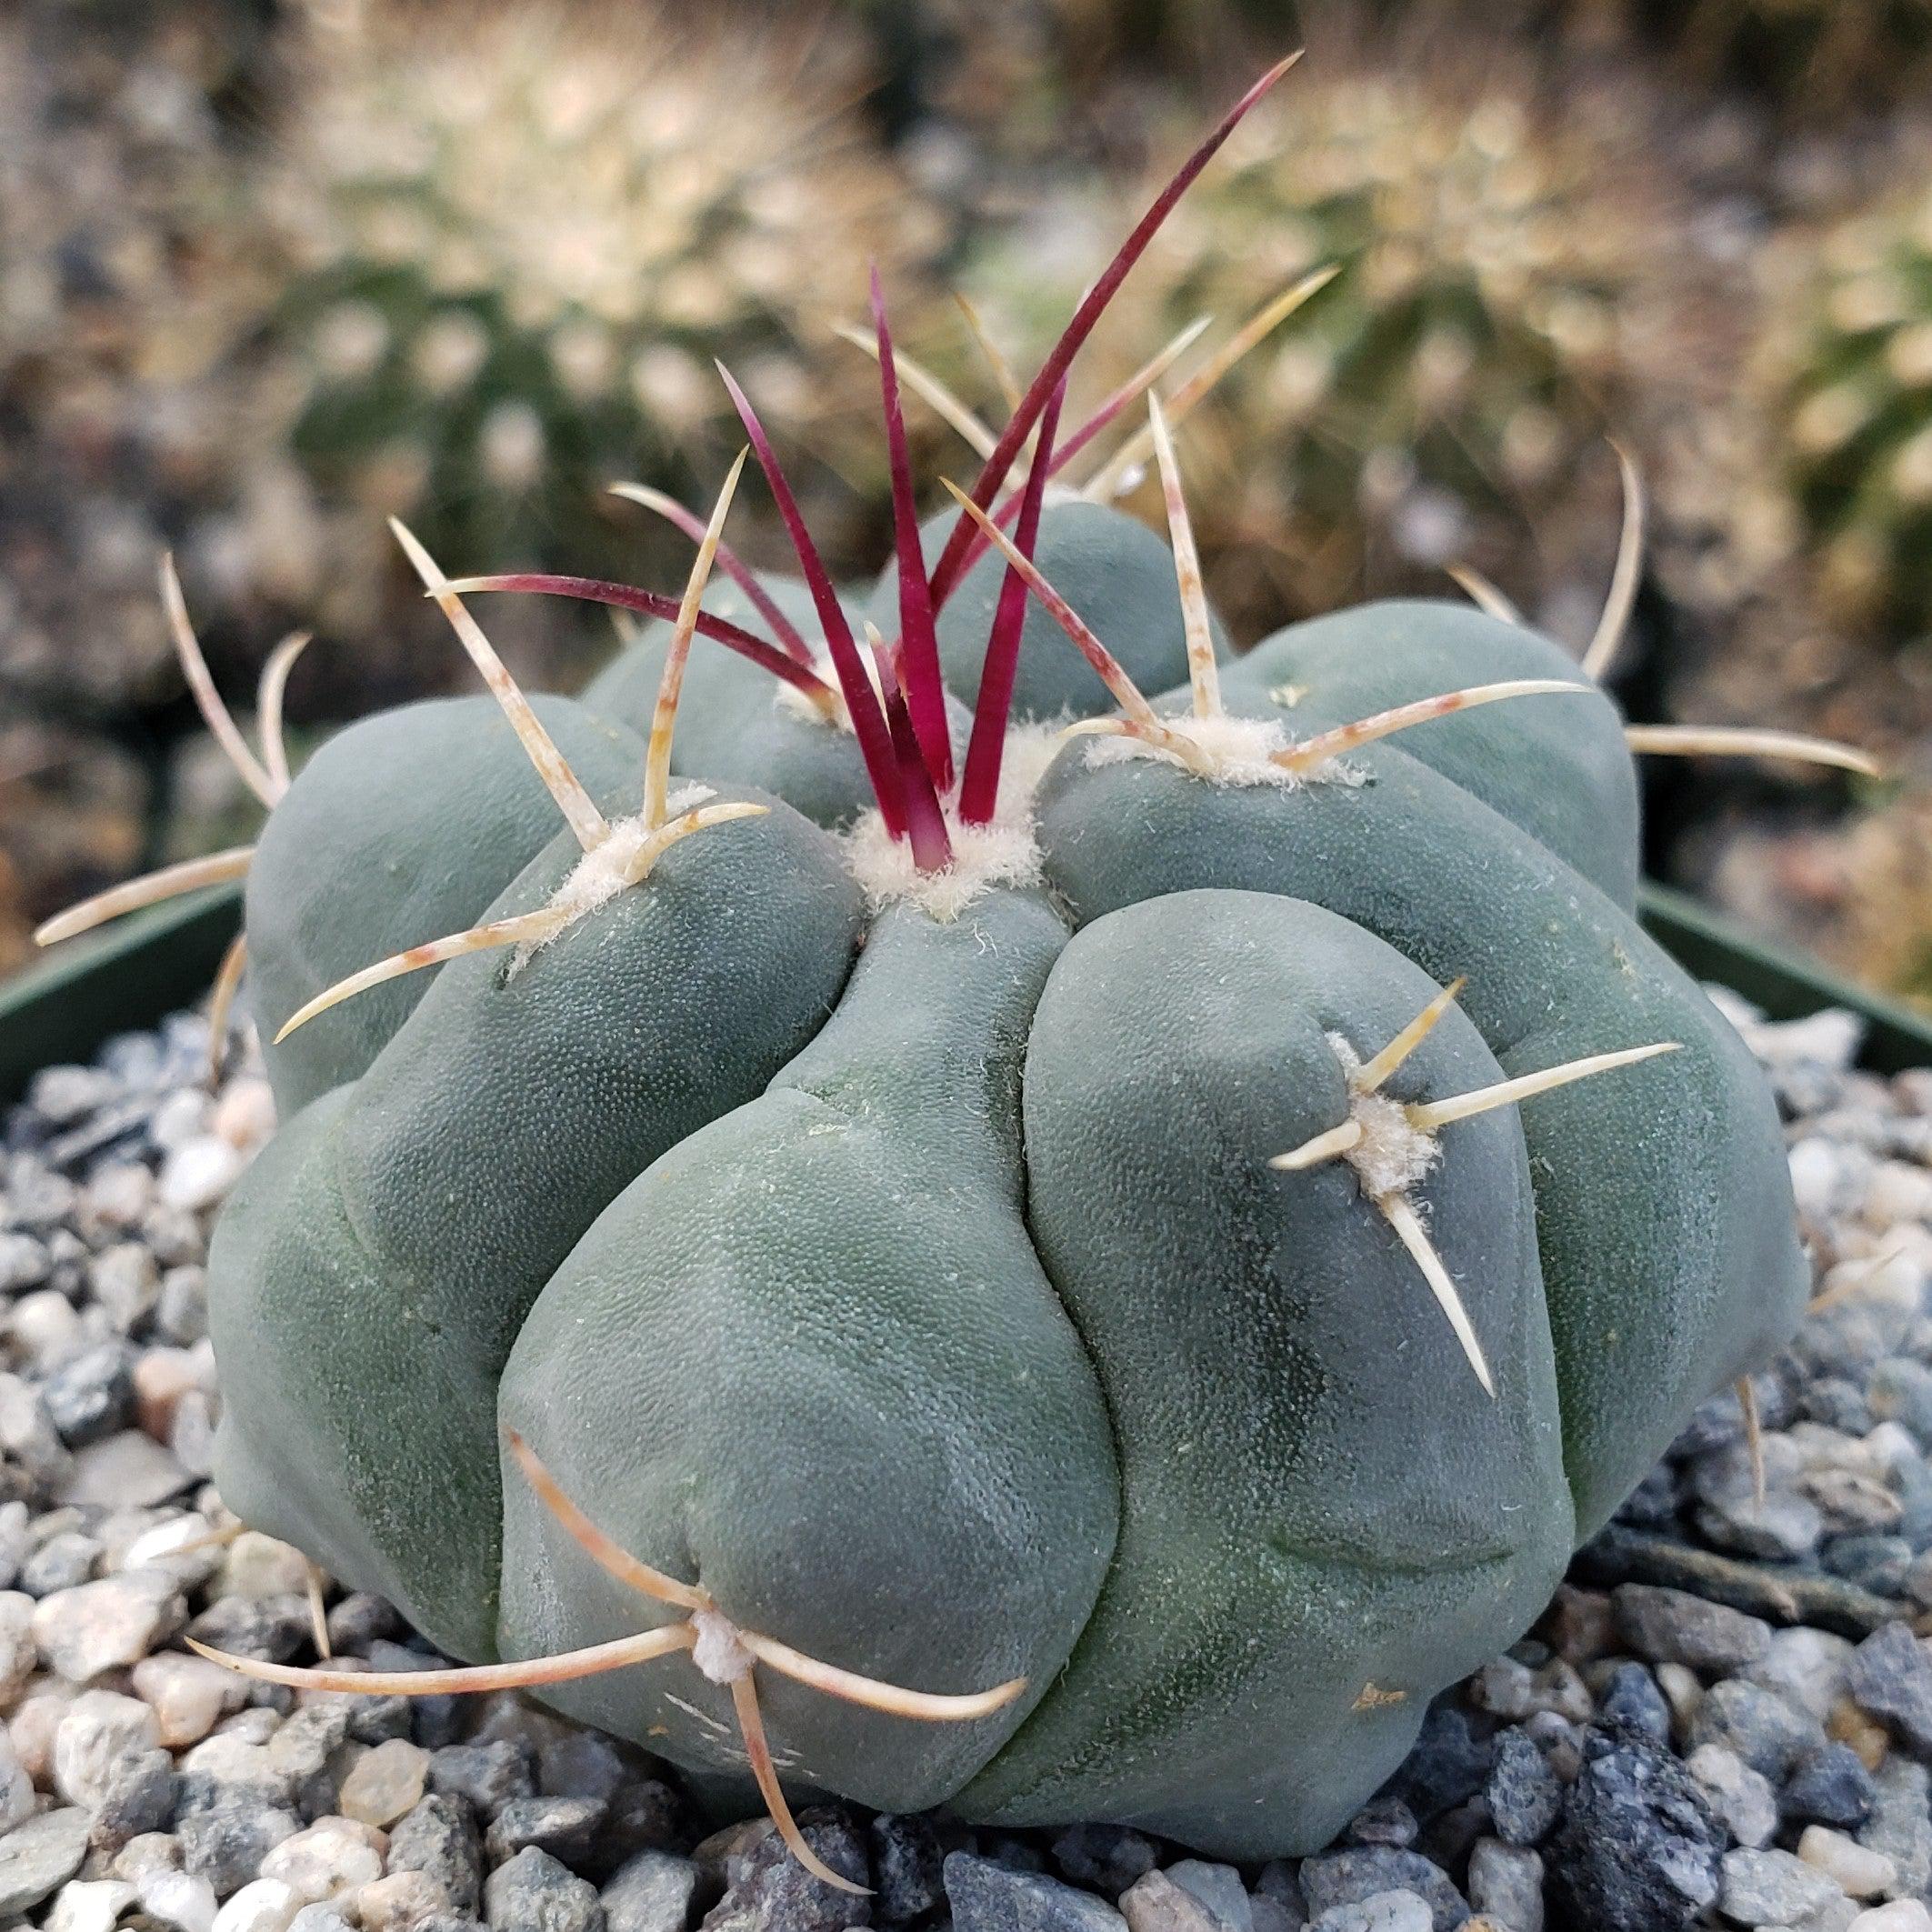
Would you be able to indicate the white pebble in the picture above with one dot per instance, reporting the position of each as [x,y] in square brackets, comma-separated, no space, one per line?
[33,1724]
[90,1904]
[188,1695]
[1817,1178]
[266,1905]
[334,1854]
[128,1471]
[107,1624]
[199,1172]
[1861,1872]
[386,1783]
[1740,1797]
[19,1654]
[99,1729]
[16,1789]
[1902,1915]
[256,1566]
[178,1899]
[245,1116]
[47,1326]
[400,1900]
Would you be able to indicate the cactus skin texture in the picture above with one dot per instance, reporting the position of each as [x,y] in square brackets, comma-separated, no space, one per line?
[1153,1255]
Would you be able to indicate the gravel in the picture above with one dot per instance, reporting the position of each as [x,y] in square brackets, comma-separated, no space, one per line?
[1724,1720]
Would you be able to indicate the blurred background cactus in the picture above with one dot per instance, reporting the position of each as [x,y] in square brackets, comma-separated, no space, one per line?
[1518,276]
[1846,382]
[521,238]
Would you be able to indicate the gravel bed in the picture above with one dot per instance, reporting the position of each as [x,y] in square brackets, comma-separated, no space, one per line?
[1723,1720]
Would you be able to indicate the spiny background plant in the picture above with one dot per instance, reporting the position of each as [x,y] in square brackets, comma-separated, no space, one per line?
[923,1233]
[1515,274]
[1846,371]
[523,234]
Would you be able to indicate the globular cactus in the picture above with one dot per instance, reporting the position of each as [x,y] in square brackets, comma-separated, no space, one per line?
[520,238]
[1514,275]
[1080,1267]
[1844,371]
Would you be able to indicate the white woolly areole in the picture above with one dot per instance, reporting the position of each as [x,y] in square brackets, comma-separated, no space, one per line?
[1239,751]
[719,1652]
[1393,1153]
[1002,853]
[602,873]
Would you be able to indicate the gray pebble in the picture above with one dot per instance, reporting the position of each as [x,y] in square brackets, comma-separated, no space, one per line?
[1385,1820]
[1772,1889]
[1830,1787]
[1350,1875]
[1765,1729]
[533,1893]
[1890,1675]
[1632,1698]
[225,1839]
[92,1396]
[139,1797]
[566,1827]
[988,1897]
[34,1858]
[439,1837]
[652,1893]
[1900,1825]
[487,1776]
[1219,1888]
[1522,1794]
[1638,1849]
[907,1857]
[1107,1858]
[1672,1626]
[1384,1912]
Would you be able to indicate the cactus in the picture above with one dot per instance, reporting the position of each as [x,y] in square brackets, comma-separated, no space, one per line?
[1845,373]
[920,1270]
[522,238]
[1499,300]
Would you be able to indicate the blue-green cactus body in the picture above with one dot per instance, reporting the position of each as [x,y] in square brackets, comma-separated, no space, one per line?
[814,1353]
[378,1261]
[949,1318]
[404,827]
[1284,1551]
[1664,1202]
[1557,766]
